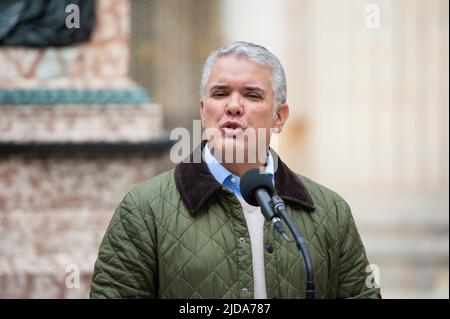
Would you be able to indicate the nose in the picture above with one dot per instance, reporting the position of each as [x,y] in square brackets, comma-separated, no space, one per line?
[234,106]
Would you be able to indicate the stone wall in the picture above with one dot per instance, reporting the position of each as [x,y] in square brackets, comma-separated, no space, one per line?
[54,211]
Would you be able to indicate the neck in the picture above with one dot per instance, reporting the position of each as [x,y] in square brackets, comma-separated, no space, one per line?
[241,168]
[247,163]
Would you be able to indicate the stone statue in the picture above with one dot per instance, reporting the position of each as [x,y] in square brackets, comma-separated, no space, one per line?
[44,23]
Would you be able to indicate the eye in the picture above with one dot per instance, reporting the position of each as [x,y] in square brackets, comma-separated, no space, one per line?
[219,94]
[255,97]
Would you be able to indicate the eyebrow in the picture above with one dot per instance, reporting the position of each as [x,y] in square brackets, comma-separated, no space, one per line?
[255,89]
[218,87]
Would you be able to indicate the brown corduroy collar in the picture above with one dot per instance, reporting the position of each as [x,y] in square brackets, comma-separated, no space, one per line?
[196,184]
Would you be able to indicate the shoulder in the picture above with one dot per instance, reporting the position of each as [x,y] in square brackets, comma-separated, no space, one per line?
[326,200]
[319,193]
[156,185]
[160,188]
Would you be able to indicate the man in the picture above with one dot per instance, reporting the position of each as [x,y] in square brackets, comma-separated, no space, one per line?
[188,233]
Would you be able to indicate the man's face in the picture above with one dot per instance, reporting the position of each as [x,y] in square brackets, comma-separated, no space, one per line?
[238,102]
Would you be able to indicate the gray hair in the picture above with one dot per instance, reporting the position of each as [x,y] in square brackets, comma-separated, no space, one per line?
[255,53]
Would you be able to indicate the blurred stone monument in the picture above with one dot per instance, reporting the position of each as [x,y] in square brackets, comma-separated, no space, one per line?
[75,134]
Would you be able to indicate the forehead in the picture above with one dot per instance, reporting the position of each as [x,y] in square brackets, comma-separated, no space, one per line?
[239,70]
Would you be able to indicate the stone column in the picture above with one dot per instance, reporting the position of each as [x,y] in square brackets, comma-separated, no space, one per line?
[369,119]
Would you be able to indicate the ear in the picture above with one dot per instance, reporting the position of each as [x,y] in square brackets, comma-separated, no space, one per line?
[280,118]
[202,113]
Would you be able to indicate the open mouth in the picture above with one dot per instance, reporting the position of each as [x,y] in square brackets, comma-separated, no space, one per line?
[232,128]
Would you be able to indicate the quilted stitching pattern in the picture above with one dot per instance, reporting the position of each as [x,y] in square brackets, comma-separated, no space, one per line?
[154,249]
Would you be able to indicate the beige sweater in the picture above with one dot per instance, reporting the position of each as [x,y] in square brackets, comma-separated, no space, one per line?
[255,224]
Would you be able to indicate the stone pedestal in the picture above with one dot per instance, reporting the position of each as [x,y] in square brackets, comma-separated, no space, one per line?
[76,133]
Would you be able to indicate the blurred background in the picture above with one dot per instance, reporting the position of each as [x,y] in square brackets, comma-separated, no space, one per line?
[85,113]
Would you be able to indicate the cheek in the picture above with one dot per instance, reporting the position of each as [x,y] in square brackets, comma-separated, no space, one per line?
[212,113]
[264,118]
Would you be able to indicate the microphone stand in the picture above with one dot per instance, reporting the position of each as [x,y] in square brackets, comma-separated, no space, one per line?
[280,208]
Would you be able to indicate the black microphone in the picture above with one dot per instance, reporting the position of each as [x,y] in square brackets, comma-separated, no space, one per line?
[257,190]
[280,208]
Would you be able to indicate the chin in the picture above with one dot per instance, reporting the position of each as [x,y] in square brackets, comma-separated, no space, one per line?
[230,150]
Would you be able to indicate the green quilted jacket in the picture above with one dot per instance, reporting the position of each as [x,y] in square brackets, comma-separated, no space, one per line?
[182,235]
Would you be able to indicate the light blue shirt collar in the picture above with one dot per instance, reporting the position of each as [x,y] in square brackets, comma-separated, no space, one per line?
[228,179]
